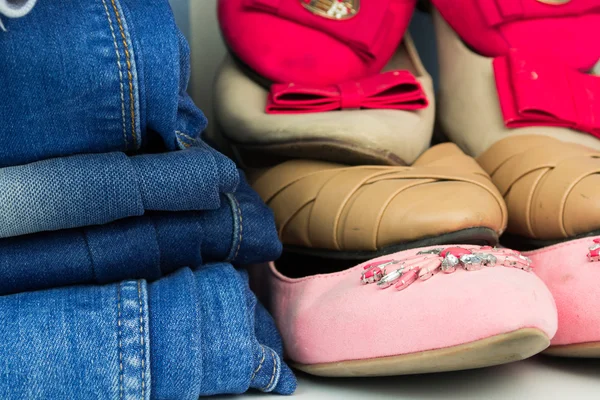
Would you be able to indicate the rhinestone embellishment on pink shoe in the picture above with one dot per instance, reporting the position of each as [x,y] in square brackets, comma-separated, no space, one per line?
[427,263]
[594,253]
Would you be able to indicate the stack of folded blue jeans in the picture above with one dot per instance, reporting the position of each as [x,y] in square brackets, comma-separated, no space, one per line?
[118,224]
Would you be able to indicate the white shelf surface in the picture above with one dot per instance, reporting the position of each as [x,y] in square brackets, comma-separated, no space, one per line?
[537,378]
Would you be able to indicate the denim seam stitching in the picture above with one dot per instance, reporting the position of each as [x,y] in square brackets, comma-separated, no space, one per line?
[139,180]
[129,73]
[139,288]
[181,135]
[186,136]
[160,255]
[120,68]
[273,374]
[120,341]
[185,145]
[262,360]
[233,206]
[89,252]
[241,235]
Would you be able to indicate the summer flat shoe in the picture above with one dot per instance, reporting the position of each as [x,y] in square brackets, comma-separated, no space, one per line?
[349,136]
[361,212]
[573,283]
[314,41]
[516,91]
[551,189]
[417,311]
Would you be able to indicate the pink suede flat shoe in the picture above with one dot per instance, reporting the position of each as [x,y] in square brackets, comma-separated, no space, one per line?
[416,311]
[571,270]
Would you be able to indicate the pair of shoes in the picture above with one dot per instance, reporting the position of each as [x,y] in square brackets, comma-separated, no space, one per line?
[354,217]
[518,91]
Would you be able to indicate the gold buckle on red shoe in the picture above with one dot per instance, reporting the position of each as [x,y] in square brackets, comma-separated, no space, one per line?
[332,9]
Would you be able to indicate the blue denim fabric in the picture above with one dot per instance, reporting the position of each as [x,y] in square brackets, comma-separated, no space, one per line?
[223,344]
[188,335]
[241,231]
[91,189]
[94,76]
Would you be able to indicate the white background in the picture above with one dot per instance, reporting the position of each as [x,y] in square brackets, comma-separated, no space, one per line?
[539,378]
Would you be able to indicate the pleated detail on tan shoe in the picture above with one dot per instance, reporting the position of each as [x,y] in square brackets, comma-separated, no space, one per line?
[332,206]
[552,188]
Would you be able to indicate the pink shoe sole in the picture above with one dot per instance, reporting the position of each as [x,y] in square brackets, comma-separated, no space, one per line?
[477,316]
[573,281]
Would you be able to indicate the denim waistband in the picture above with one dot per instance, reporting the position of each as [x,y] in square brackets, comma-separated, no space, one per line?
[187,335]
[94,189]
[241,231]
[94,76]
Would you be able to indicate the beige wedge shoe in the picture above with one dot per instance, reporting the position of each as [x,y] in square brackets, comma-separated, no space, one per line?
[469,109]
[373,136]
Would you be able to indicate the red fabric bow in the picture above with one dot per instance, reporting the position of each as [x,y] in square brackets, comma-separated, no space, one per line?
[394,90]
[535,90]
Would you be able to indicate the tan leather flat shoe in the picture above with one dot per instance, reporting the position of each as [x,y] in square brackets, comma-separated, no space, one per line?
[551,187]
[361,212]
[353,136]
